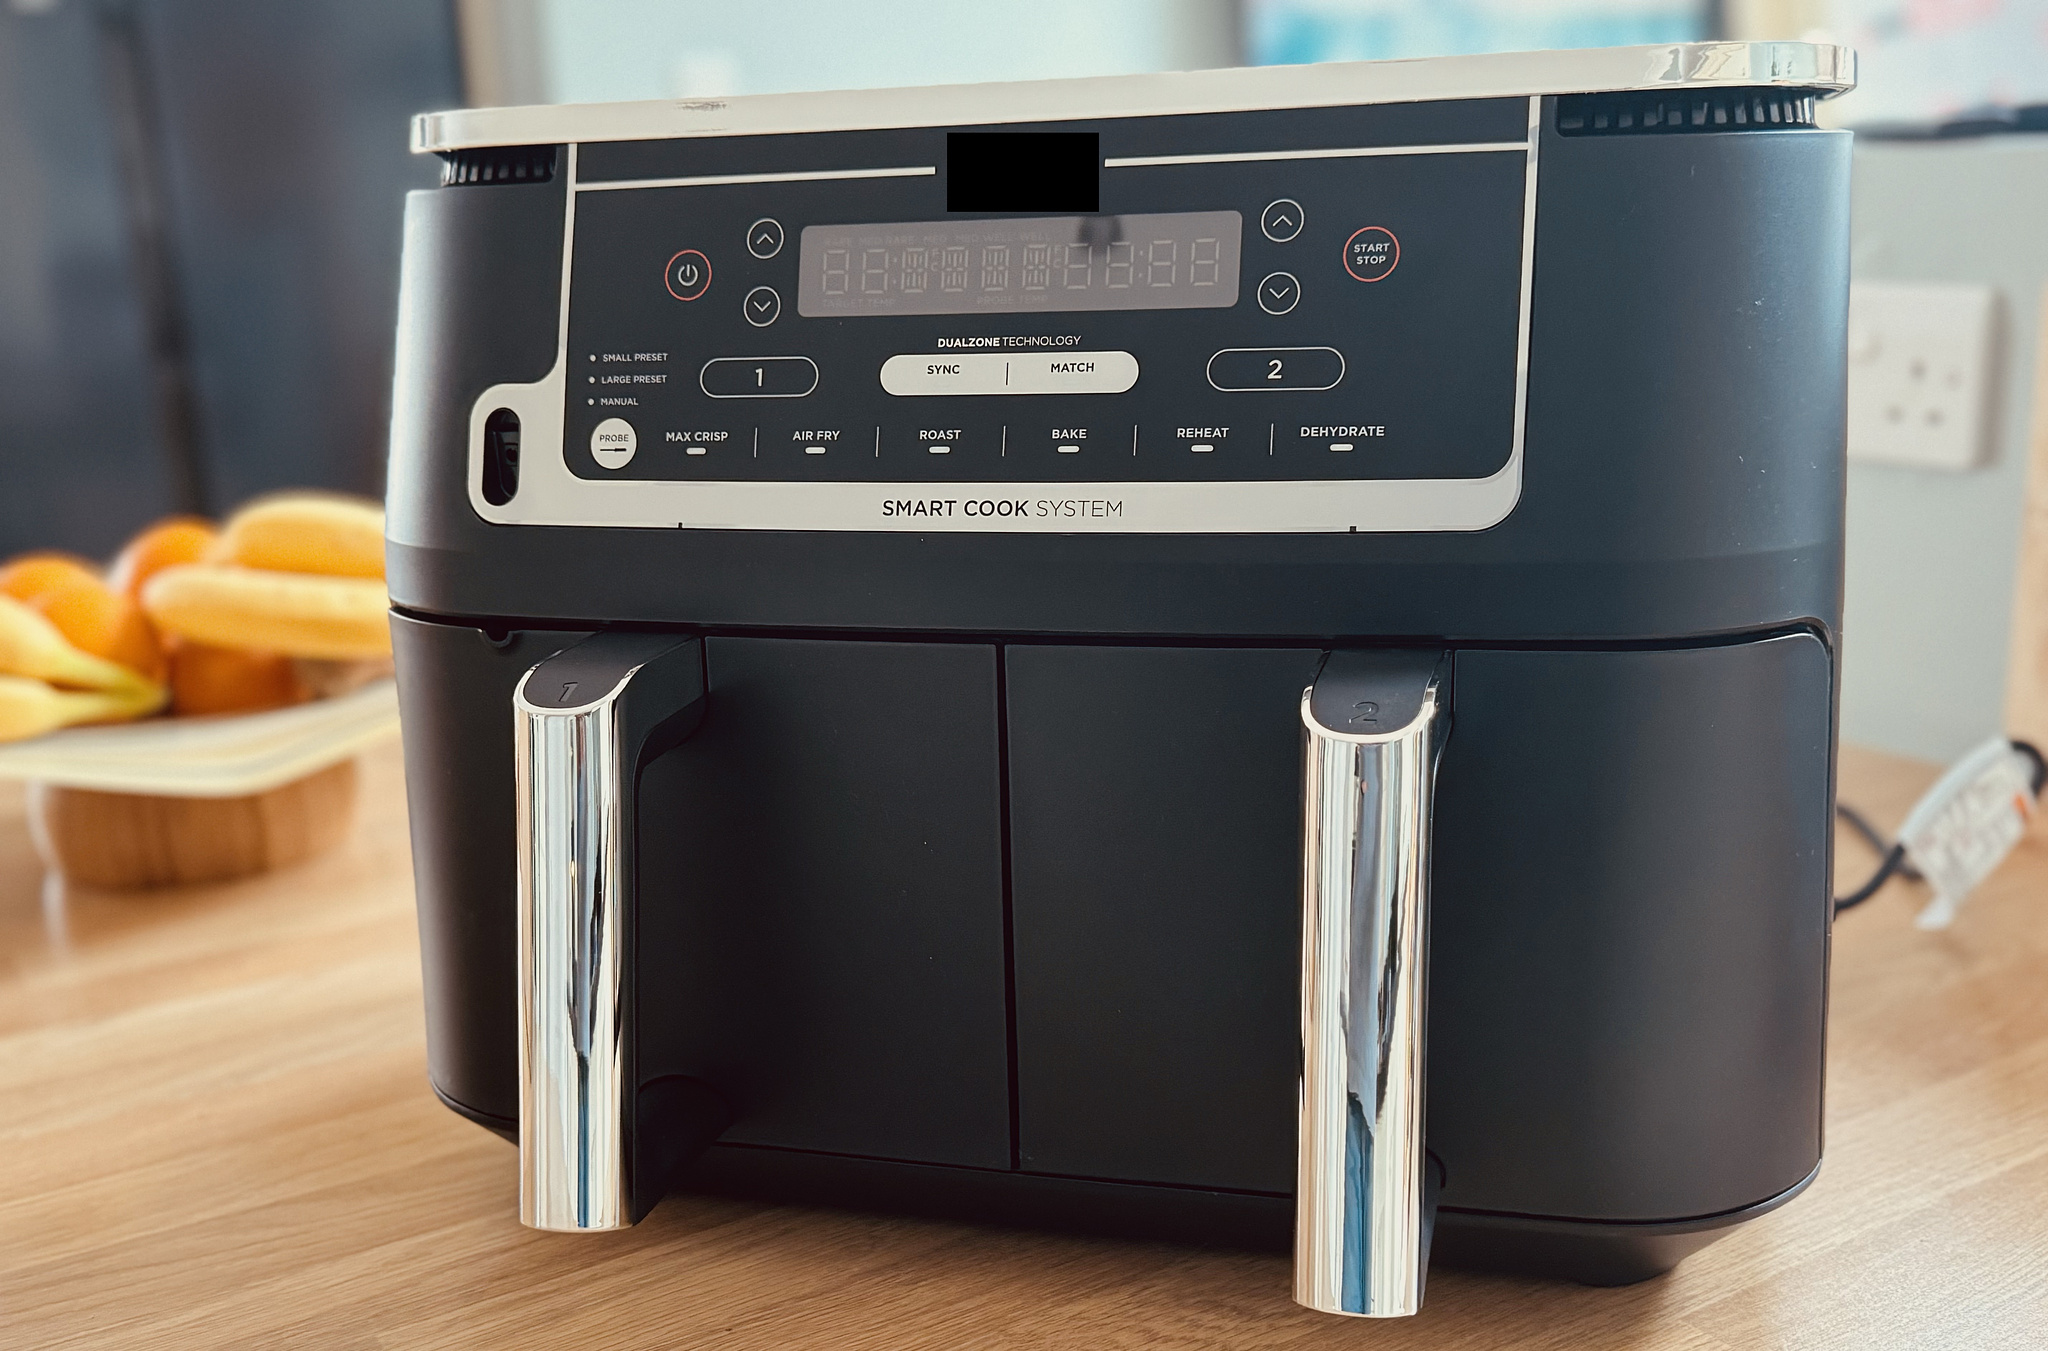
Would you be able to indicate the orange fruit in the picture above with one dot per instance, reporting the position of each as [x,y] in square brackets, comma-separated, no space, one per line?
[175,539]
[96,618]
[27,576]
[206,679]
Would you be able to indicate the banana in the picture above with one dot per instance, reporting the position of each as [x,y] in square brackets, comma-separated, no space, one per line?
[297,614]
[306,532]
[31,645]
[30,708]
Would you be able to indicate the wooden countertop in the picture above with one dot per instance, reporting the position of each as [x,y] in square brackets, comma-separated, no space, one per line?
[217,1132]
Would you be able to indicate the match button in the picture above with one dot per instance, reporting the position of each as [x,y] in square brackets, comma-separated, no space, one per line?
[915,374]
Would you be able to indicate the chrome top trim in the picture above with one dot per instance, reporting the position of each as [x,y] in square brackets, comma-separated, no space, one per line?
[727,180]
[1594,70]
[1337,152]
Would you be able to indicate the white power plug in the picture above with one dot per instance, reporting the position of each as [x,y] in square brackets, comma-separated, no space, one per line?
[1965,825]
[1920,373]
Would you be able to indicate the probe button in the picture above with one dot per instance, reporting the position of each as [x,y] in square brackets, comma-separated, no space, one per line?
[612,443]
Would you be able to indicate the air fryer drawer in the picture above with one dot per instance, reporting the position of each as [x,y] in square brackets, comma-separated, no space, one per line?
[1630,907]
[821,923]
[821,888]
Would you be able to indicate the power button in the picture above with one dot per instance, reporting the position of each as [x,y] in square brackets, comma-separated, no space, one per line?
[689,275]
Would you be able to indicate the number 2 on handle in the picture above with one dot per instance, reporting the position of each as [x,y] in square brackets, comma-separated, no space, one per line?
[1273,368]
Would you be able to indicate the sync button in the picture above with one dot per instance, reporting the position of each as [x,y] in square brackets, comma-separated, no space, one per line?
[1010,373]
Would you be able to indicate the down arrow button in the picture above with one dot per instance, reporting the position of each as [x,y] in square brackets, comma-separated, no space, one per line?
[1279,293]
[763,306]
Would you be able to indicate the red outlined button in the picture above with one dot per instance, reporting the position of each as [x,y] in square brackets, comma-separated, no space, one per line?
[688,275]
[1371,253]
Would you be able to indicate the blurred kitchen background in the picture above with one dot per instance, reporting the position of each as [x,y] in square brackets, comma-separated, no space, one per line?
[200,205]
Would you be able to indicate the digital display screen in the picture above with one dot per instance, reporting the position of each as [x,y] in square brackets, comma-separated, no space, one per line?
[1184,260]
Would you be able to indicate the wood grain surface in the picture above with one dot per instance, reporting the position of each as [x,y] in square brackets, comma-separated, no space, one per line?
[119,840]
[217,1132]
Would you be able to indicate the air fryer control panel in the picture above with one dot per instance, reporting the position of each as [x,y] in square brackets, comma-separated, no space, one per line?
[798,332]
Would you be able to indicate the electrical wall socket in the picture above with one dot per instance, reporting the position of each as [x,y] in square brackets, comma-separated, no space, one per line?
[1920,373]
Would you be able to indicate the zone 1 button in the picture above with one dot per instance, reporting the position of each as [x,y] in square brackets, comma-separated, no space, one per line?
[688,275]
[764,237]
[758,377]
[1281,220]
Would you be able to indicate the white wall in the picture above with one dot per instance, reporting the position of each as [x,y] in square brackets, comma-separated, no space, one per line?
[598,50]
[1931,555]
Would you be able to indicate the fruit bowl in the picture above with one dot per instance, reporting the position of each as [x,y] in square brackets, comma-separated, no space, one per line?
[236,632]
[198,799]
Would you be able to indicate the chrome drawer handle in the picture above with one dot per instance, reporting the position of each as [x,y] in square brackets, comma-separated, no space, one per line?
[1365,1196]
[584,722]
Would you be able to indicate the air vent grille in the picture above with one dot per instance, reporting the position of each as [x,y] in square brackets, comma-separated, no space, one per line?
[1654,113]
[498,164]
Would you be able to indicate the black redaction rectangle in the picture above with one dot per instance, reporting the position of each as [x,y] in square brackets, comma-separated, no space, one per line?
[1023,171]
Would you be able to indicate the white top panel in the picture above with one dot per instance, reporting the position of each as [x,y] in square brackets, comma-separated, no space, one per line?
[1593,70]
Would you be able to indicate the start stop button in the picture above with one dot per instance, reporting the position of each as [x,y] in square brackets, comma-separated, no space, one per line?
[1371,253]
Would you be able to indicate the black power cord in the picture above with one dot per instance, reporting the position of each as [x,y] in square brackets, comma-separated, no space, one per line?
[1895,863]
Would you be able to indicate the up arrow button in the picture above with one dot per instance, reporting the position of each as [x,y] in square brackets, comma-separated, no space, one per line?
[764,237]
[1281,220]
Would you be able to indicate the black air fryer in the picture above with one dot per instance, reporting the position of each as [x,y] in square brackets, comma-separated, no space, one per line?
[1247,656]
